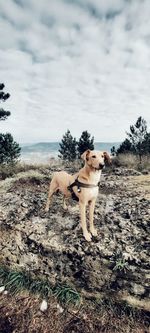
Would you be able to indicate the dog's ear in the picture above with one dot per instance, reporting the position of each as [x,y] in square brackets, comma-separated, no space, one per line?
[85,155]
[107,157]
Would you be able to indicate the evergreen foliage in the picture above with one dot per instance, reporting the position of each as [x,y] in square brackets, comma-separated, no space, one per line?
[125,147]
[85,142]
[138,141]
[68,147]
[137,135]
[145,146]
[9,149]
[113,151]
[4,114]
[3,97]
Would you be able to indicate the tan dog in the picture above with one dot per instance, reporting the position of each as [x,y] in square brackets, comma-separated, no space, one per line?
[85,187]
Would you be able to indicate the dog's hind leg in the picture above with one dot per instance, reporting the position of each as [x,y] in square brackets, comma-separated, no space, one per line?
[52,189]
[64,202]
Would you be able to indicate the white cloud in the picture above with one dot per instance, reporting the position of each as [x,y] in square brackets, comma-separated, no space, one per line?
[74,64]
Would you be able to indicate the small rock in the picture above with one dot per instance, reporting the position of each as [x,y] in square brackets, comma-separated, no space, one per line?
[24,205]
[5,292]
[145,172]
[60,309]
[137,289]
[43,306]
[2,288]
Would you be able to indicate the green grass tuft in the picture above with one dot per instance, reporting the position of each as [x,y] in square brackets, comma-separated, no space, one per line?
[16,281]
[120,265]
[66,294]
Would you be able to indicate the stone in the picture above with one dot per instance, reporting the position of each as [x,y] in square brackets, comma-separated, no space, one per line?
[44,305]
[60,309]
[24,205]
[137,289]
[2,288]
[145,172]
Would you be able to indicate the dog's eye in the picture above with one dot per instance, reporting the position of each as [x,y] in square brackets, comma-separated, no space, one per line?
[102,156]
[94,156]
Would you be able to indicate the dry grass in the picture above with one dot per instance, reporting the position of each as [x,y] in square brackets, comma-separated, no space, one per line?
[21,314]
[25,177]
[20,311]
[122,160]
[132,161]
[10,170]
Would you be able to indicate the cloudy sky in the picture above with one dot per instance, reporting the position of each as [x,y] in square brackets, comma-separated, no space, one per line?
[74,64]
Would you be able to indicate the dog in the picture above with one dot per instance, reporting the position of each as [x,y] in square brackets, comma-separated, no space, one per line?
[83,186]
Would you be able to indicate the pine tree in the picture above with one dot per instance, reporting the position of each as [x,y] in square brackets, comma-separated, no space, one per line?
[3,97]
[85,142]
[138,141]
[68,147]
[125,147]
[9,149]
[145,146]
[137,135]
[113,151]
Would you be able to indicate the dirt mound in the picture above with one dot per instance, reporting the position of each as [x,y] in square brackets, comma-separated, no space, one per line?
[51,244]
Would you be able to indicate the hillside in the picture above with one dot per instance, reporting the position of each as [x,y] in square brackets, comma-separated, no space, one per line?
[50,245]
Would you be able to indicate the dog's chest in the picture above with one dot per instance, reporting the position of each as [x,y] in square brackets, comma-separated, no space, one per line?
[92,193]
[95,178]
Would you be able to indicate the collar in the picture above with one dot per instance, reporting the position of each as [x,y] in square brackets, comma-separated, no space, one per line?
[80,184]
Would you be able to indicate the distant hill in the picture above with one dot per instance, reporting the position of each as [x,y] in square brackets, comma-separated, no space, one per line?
[54,146]
[42,151]
[106,146]
[40,147]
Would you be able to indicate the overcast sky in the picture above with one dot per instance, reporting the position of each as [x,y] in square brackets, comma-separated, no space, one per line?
[74,64]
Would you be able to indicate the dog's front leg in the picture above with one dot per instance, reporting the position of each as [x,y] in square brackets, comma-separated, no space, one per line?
[86,234]
[91,217]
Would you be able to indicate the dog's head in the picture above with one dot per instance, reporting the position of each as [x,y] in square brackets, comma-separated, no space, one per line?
[96,159]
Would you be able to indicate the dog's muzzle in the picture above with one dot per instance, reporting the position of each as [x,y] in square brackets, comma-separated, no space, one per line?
[101,166]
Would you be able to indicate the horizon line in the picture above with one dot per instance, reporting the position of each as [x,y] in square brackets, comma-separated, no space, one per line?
[29,143]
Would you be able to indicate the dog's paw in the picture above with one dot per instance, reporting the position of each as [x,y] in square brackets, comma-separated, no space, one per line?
[93,232]
[87,236]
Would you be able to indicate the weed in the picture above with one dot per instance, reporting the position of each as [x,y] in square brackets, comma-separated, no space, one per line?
[120,265]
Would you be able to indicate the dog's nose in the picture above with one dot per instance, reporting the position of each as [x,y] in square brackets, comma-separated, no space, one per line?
[101,166]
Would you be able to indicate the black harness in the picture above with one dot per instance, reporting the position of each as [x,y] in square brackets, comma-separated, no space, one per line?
[79,185]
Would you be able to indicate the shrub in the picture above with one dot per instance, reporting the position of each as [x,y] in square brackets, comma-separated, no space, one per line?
[132,161]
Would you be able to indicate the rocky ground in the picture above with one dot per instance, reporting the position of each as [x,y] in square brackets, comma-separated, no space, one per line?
[116,262]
